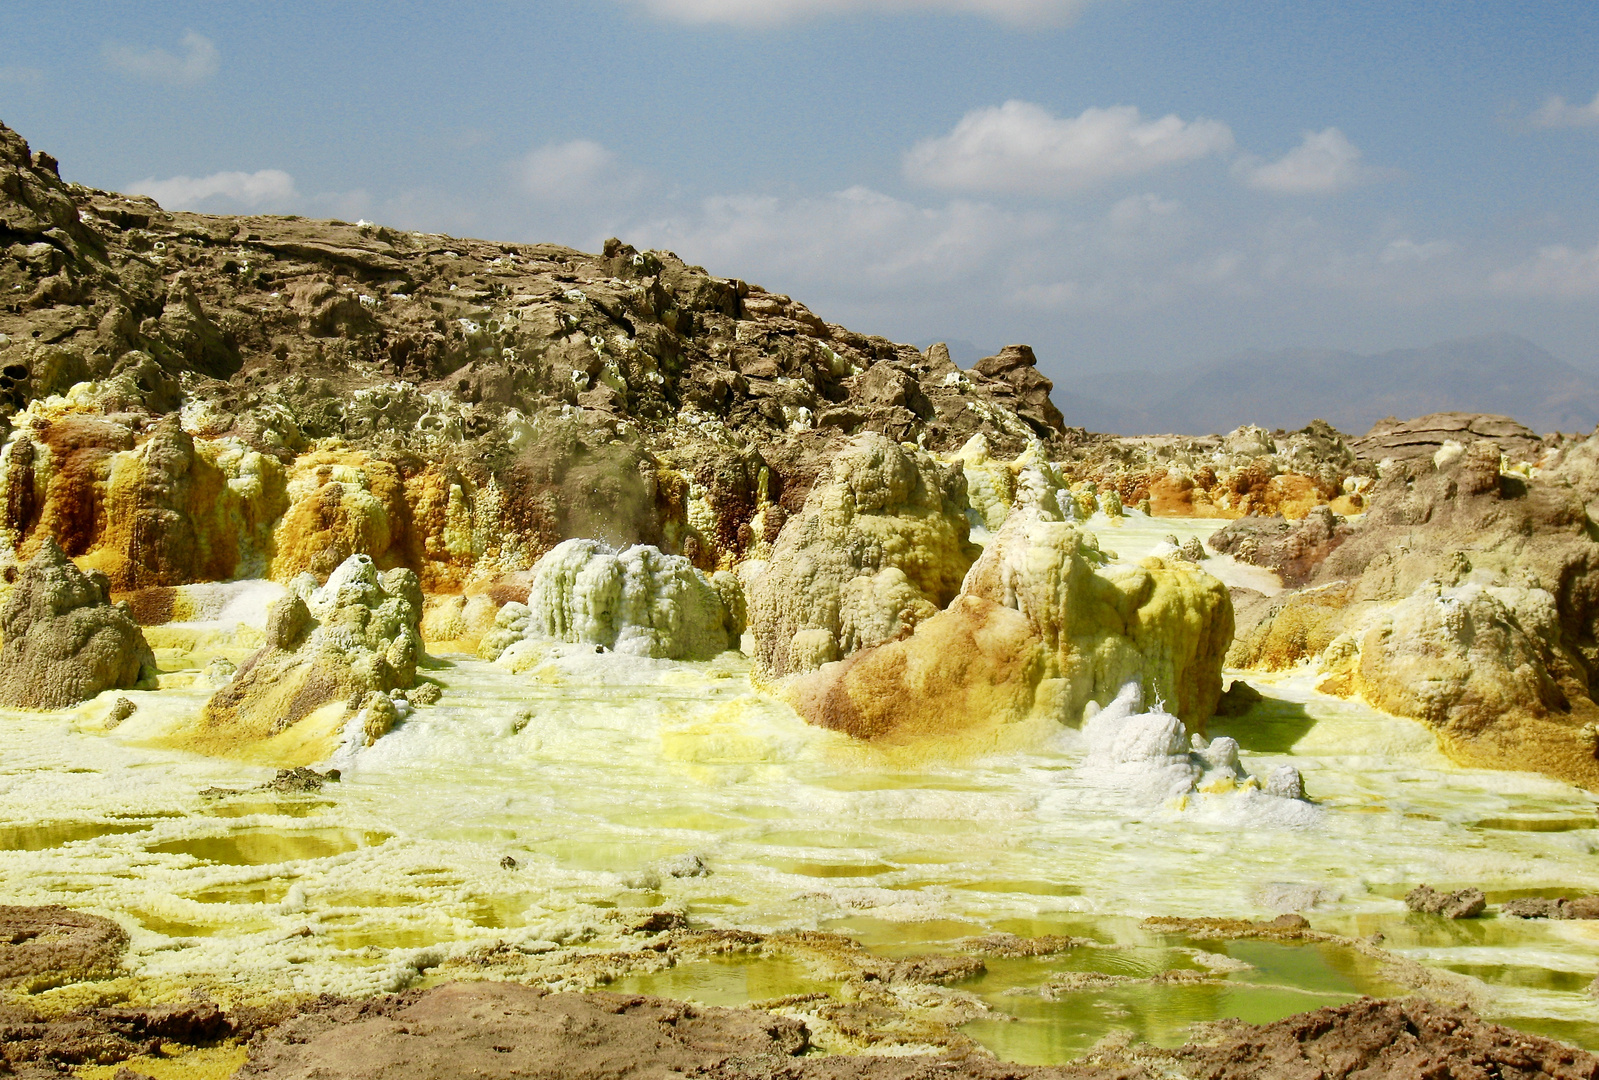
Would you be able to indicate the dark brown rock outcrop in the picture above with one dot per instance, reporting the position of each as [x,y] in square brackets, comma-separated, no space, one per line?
[1293,550]
[1583,907]
[1461,904]
[532,392]
[1409,440]
[1383,1040]
[1023,386]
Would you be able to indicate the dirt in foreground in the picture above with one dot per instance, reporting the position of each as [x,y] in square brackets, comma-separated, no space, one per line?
[505,1030]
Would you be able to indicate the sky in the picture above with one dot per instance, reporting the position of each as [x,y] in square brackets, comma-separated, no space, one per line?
[1133,185]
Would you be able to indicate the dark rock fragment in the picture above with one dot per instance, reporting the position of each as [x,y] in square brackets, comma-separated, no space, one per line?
[1462,904]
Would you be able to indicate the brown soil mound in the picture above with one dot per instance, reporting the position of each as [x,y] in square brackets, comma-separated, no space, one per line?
[497,1029]
[1377,1040]
[103,1036]
[44,947]
[508,1030]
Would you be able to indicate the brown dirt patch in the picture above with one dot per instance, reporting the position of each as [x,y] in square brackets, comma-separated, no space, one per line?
[44,947]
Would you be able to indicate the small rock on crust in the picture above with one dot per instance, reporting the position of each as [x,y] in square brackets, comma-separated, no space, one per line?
[687,865]
[299,780]
[1584,907]
[121,709]
[1464,904]
[1286,783]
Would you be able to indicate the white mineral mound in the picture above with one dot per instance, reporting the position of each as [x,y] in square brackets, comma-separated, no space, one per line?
[1151,756]
[637,601]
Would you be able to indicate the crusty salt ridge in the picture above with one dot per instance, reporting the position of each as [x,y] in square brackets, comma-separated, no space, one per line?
[597,773]
[351,640]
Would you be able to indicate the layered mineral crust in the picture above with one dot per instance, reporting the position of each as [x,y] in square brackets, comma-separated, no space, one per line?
[1041,627]
[329,648]
[881,543]
[637,601]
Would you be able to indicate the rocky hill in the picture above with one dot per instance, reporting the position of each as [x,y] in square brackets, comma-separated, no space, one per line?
[188,398]
[452,405]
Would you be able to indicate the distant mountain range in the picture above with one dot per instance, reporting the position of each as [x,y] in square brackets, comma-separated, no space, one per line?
[1495,373]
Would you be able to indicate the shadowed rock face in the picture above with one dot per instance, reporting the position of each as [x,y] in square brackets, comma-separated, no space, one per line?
[65,641]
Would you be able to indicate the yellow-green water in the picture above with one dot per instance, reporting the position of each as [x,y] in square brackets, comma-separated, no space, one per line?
[601,773]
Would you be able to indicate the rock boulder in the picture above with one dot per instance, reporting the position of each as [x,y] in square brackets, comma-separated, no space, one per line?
[65,641]
[879,506]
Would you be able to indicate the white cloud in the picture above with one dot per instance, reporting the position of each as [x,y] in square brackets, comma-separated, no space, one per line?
[1120,276]
[1556,113]
[1021,147]
[773,12]
[1405,250]
[1325,163]
[1557,272]
[1137,212]
[198,63]
[268,188]
[580,172]
[840,243]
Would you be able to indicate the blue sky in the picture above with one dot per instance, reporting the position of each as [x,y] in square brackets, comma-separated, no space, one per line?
[1123,183]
